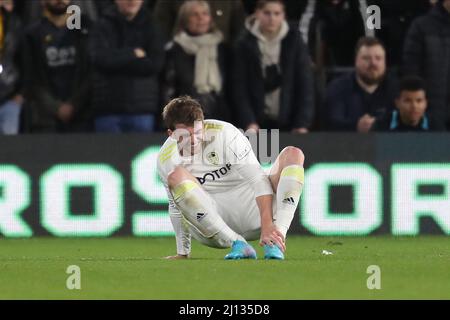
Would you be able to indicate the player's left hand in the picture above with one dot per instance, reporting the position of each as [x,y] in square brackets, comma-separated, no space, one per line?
[177,257]
[270,235]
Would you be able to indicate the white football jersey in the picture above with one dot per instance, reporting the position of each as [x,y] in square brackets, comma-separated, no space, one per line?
[224,147]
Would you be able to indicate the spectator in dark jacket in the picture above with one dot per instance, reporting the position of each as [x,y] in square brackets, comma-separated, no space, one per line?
[272,75]
[410,112]
[128,55]
[427,54]
[353,101]
[196,61]
[396,18]
[342,26]
[10,76]
[228,15]
[302,14]
[57,73]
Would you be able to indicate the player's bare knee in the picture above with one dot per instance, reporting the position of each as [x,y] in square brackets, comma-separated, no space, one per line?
[176,176]
[293,155]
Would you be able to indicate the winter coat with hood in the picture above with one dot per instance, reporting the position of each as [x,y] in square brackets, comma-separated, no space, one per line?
[296,90]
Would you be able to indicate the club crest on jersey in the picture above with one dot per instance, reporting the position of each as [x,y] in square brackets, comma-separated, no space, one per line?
[213,158]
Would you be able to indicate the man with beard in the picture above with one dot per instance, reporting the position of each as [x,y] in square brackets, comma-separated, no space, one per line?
[355,100]
[56,72]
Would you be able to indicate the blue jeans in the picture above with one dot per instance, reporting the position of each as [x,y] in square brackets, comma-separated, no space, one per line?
[125,123]
[10,117]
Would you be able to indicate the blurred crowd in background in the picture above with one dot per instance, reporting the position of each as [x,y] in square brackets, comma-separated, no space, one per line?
[295,65]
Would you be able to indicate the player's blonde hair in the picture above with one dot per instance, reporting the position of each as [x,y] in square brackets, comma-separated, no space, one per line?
[182,110]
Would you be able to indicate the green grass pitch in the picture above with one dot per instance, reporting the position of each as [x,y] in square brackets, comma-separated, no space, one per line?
[133,268]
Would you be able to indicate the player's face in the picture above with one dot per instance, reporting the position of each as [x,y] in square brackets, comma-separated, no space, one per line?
[411,105]
[199,20]
[189,138]
[270,17]
[371,64]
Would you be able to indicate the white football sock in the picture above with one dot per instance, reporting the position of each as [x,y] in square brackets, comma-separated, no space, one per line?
[197,208]
[289,190]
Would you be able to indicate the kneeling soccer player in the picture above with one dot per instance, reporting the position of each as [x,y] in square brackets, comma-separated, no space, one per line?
[218,192]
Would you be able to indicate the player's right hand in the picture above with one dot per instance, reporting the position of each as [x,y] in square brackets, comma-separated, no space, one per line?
[272,236]
[177,257]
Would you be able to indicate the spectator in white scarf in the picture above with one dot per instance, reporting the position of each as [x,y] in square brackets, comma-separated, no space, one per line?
[196,60]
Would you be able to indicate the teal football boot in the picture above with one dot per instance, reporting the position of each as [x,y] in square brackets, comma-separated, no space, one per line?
[241,250]
[273,252]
